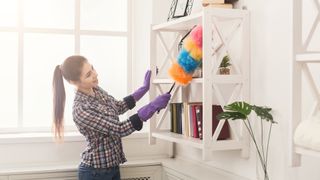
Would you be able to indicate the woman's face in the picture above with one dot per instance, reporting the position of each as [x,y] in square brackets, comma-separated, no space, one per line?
[88,77]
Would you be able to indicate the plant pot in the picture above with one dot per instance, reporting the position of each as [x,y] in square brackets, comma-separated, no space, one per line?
[224,71]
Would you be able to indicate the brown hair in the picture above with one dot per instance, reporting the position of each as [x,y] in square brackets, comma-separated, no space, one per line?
[70,70]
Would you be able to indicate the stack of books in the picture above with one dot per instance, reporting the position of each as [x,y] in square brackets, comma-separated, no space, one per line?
[216,4]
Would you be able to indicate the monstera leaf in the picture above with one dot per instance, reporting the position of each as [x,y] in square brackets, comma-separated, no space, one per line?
[241,110]
[263,113]
[236,110]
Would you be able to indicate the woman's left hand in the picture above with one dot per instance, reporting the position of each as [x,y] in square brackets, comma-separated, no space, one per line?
[139,93]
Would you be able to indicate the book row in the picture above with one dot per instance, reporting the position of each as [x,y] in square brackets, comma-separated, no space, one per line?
[187,119]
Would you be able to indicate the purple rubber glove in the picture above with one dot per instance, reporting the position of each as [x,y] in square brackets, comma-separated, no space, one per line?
[148,110]
[138,94]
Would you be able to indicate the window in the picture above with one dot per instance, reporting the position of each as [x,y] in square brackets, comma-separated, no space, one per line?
[37,35]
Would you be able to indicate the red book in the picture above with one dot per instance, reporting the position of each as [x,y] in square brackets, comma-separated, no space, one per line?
[225,131]
[194,122]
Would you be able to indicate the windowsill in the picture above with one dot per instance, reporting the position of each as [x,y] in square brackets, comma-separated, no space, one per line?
[41,137]
[43,168]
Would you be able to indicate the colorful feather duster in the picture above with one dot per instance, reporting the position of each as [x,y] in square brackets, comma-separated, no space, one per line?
[189,58]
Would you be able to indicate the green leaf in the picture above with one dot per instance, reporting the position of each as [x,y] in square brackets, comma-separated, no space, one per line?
[241,110]
[263,113]
[225,62]
[241,107]
[231,115]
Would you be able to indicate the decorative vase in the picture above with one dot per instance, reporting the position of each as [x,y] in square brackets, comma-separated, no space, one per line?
[224,71]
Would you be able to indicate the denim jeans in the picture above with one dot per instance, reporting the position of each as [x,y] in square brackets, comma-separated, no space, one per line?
[90,173]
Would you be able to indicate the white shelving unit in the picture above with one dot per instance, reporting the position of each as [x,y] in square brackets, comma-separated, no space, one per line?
[300,68]
[231,28]
[303,59]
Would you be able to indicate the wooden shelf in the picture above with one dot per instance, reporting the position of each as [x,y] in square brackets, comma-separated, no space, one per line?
[170,81]
[187,22]
[178,138]
[183,23]
[227,145]
[307,152]
[197,143]
[308,57]
[219,79]
[228,79]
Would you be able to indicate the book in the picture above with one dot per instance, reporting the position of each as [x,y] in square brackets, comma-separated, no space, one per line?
[227,6]
[185,121]
[179,118]
[190,121]
[174,118]
[225,131]
[199,120]
[194,122]
[213,1]
[171,118]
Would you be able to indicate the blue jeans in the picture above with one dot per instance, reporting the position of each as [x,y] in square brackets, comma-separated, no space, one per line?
[90,173]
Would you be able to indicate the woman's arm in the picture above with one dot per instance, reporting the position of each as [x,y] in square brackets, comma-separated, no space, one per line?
[122,105]
[95,120]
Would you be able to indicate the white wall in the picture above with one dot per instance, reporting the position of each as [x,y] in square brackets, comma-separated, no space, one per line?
[271,68]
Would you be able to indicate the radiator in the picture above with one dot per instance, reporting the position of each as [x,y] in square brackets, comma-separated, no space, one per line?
[138,178]
[127,173]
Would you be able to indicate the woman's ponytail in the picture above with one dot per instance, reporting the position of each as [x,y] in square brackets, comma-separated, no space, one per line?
[70,70]
[59,99]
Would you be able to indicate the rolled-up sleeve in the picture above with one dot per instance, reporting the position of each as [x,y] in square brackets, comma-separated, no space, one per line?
[131,103]
[136,122]
[124,105]
[93,119]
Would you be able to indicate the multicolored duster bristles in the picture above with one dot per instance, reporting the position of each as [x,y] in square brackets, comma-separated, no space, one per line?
[189,57]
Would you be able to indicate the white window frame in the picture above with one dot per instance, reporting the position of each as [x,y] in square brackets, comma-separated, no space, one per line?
[20,29]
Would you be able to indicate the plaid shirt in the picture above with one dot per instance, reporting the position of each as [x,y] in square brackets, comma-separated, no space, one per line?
[97,119]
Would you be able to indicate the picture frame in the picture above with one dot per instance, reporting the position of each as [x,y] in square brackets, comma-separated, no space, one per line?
[180,8]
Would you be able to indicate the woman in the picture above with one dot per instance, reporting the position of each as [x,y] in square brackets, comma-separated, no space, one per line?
[95,114]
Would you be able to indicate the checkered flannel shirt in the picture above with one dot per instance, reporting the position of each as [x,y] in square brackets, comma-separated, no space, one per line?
[97,119]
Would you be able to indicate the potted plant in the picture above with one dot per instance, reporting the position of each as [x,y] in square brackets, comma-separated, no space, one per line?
[241,111]
[224,65]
